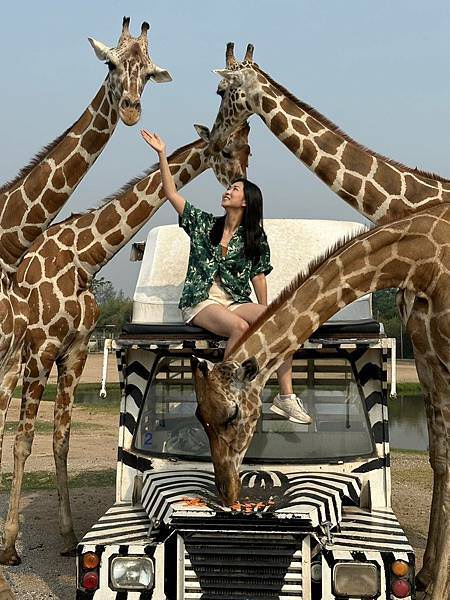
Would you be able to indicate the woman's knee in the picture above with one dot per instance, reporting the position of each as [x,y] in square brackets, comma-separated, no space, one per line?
[240,326]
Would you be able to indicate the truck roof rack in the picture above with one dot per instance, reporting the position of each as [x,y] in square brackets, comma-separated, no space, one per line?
[170,333]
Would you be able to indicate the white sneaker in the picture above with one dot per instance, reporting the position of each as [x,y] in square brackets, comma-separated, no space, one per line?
[292,408]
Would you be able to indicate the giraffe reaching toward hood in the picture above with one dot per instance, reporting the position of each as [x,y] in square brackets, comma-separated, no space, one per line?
[411,254]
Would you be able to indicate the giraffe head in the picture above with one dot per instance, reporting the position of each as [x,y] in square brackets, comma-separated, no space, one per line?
[239,90]
[231,161]
[130,67]
[228,408]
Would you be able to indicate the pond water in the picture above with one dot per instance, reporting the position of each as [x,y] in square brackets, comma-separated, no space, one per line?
[407,422]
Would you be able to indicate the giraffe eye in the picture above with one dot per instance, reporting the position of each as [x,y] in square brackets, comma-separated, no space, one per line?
[233,416]
[111,65]
[226,154]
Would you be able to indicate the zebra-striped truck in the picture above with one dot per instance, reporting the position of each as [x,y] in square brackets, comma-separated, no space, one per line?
[316,521]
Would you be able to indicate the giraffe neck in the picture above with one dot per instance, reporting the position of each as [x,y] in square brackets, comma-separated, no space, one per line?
[31,202]
[402,255]
[380,189]
[101,233]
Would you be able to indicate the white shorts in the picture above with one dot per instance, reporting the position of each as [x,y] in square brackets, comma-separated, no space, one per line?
[217,295]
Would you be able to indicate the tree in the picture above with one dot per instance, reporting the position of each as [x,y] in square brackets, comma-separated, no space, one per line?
[115,312]
[103,290]
[115,308]
[385,311]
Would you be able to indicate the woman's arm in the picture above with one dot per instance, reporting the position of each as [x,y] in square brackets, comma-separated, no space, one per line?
[170,191]
[260,286]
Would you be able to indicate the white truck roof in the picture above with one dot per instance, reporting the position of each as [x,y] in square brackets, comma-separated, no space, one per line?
[293,244]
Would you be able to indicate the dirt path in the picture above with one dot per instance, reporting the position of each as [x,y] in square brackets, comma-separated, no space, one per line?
[84,442]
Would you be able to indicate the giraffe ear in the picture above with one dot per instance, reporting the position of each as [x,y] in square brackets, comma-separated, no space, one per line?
[159,75]
[202,364]
[102,52]
[227,74]
[203,132]
[249,369]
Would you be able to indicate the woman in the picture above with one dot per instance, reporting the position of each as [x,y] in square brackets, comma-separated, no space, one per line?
[226,254]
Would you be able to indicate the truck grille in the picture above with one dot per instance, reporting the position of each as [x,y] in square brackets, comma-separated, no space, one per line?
[242,567]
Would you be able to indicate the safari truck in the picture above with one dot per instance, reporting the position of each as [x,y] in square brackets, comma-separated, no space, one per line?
[314,521]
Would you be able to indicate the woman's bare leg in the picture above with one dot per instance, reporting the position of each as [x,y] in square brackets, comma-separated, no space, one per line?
[221,321]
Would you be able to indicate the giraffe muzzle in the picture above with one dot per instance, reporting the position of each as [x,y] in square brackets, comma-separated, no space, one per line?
[130,111]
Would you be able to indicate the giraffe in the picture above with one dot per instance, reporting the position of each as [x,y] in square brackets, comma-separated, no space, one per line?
[410,254]
[381,189]
[31,201]
[55,277]
[5,590]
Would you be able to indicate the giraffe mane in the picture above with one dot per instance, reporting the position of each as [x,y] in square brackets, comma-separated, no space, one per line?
[297,282]
[39,157]
[155,167]
[333,127]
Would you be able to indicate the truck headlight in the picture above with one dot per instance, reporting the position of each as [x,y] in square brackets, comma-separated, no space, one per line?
[132,573]
[354,579]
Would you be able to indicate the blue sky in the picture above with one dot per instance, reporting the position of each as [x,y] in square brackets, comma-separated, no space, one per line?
[379,70]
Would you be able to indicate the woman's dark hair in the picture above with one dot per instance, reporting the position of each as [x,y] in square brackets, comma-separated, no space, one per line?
[252,220]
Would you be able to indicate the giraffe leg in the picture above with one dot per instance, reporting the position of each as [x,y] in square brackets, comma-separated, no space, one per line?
[424,576]
[433,581]
[70,369]
[441,574]
[415,313]
[435,584]
[35,376]
[9,375]
[5,590]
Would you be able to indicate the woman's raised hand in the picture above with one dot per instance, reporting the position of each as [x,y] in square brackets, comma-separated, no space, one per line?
[154,141]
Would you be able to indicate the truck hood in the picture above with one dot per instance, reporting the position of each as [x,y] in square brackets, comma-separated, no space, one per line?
[316,498]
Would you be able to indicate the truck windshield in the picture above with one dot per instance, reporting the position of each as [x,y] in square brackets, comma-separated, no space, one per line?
[168,426]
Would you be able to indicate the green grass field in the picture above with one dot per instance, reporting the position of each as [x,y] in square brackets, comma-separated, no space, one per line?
[47,426]
[45,480]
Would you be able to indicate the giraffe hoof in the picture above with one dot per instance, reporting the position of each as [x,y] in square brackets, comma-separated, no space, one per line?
[8,557]
[6,593]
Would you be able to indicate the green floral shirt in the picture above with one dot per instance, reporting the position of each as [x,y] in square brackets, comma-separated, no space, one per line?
[206,261]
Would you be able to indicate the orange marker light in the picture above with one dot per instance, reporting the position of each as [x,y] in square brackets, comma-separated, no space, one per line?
[400,568]
[90,560]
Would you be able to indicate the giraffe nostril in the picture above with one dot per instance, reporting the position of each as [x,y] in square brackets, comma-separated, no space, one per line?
[130,104]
